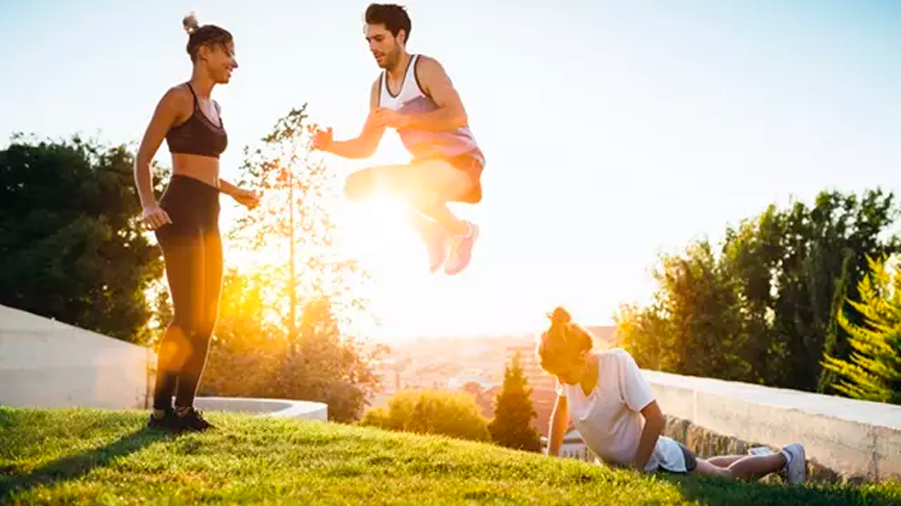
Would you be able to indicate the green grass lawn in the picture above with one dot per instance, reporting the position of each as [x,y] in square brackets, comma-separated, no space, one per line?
[104,457]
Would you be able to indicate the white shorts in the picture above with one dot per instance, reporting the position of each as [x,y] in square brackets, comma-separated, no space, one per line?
[671,456]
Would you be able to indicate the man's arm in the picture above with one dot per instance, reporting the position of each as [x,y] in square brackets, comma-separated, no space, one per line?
[435,82]
[365,144]
[653,428]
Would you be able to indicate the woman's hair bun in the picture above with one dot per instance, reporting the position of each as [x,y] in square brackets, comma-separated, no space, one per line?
[560,315]
[190,24]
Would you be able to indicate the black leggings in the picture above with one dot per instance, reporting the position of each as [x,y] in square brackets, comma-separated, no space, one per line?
[192,250]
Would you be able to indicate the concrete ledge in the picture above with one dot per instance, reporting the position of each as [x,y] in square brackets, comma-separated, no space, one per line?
[855,439]
[46,363]
[281,408]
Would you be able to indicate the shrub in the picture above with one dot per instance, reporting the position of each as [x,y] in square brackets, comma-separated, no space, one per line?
[431,411]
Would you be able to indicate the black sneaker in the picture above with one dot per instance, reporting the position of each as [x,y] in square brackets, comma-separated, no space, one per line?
[167,422]
[192,420]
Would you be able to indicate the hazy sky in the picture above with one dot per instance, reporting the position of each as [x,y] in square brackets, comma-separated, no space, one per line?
[613,130]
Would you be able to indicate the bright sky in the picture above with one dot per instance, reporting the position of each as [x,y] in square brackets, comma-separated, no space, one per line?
[613,130]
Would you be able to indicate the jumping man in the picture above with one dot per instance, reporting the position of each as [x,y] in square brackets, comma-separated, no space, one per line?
[414,95]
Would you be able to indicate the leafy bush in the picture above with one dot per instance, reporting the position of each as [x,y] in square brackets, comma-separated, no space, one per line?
[431,412]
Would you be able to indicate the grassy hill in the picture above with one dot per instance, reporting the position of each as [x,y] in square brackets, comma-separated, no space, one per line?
[103,457]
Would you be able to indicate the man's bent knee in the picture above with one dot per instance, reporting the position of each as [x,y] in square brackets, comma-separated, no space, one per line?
[447,182]
[359,185]
[425,200]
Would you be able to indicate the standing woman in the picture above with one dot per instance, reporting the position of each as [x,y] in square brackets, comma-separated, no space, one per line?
[185,220]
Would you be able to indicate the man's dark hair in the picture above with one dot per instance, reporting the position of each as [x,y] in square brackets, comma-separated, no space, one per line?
[393,16]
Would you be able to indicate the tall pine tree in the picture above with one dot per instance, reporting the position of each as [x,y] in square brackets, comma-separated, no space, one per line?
[873,372]
[513,412]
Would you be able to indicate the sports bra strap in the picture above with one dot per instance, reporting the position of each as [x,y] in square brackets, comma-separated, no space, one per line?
[196,103]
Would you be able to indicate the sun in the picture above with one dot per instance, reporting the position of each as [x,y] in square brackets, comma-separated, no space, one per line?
[379,234]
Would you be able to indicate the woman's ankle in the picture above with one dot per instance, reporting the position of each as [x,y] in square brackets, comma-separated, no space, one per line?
[182,411]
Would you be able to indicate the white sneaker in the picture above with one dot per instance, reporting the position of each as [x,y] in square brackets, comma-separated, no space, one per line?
[435,238]
[796,469]
[461,250]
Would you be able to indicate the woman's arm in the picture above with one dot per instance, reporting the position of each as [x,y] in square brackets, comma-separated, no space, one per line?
[246,198]
[559,424]
[653,428]
[639,397]
[165,115]
[228,188]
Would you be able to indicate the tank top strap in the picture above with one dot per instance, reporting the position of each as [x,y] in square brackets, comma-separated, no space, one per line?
[410,79]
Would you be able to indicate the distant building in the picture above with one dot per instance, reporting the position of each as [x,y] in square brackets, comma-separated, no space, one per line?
[486,400]
[543,400]
[457,382]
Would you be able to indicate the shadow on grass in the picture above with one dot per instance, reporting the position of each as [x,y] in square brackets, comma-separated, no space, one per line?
[723,492]
[76,466]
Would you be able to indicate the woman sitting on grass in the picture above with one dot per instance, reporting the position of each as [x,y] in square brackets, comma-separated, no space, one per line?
[613,408]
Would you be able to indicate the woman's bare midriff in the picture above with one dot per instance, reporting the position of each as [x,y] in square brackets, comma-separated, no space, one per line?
[202,168]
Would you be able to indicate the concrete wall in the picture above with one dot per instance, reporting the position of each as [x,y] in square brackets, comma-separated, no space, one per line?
[844,438]
[278,408]
[44,363]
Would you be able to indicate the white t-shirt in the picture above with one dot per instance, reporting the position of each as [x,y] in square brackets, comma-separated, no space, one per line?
[609,418]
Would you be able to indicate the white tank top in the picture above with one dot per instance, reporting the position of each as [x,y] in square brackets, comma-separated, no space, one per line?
[409,88]
[425,143]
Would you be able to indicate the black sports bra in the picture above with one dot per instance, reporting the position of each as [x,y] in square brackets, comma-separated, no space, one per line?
[198,135]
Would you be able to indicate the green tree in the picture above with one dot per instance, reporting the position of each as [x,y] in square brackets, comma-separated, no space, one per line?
[873,371]
[694,325]
[327,366]
[253,357]
[751,257]
[71,243]
[248,347]
[290,234]
[285,313]
[794,268]
[764,308]
[513,412]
